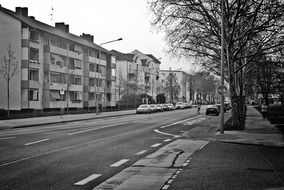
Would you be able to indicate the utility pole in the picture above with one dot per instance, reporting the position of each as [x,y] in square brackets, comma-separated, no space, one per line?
[222,68]
[171,85]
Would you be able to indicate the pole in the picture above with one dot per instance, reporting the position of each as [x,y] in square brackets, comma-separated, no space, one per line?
[222,68]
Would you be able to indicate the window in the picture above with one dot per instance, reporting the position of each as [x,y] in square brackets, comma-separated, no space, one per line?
[75,96]
[34,55]
[91,96]
[33,94]
[98,70]
[54,77]
[78,64]
[71,63]
[103,70]
[34,74]
[92,67]
[100,82]
[57,59]
[63,78]
[108,97]
[34,36]
[55,95]
[92,82]
[77,80]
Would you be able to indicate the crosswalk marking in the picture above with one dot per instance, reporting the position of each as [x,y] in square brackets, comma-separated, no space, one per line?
[119,163]
[88,179]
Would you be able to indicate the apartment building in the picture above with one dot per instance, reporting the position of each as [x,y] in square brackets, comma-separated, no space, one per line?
[184,81]
[55,68]
[141,69]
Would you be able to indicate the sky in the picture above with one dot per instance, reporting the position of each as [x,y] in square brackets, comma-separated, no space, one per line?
[106,20]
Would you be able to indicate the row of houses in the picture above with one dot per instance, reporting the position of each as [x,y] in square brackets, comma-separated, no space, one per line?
[58,69]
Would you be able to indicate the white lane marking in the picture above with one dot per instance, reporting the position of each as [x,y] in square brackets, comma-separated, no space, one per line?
[93,129]
[165,187]
[88,179]
[203,145]
[35,142]
[170,181]
[156,145]
[119,163]
[141,152]
[62,149]
[180,121]
[5,138]
[167,140]
[163,133]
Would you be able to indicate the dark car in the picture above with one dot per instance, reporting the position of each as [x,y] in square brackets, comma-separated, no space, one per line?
[212,110]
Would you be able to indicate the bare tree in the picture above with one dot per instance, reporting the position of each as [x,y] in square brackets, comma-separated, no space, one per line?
[193,29]
[9,67]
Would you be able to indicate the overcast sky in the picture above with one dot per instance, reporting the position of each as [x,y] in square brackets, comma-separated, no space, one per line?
[106,20]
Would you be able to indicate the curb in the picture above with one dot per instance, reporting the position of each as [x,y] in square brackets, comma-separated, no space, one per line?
[66,121]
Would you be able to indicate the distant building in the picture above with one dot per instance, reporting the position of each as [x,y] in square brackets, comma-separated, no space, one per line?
[141,69]
[184,80]
[52,60]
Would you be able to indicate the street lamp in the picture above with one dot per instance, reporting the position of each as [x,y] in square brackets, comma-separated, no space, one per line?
[119,39]
[222,68]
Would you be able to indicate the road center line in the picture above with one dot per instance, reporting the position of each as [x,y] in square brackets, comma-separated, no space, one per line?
[119,163]
[35,142]
[88,179]
[180,121]
[141,152]
[5,138]
[93,129]
[156,145]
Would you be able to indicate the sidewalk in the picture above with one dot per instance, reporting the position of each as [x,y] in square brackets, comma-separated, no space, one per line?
[206,162]
[35,121]
[258,131]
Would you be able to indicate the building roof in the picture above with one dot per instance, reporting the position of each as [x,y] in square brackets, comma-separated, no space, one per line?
[123,56]
[154,58]
[30,21]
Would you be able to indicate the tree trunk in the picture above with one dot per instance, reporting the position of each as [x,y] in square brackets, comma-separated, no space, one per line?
[8,97]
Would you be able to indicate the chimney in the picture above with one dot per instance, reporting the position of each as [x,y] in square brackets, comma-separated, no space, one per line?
[22,11]
[62,26]
[88,37]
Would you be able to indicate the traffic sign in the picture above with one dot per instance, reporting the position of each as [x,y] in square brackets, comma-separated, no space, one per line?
[222,90]
[62,91]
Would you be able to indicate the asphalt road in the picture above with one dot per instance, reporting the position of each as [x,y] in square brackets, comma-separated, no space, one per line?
[81,155]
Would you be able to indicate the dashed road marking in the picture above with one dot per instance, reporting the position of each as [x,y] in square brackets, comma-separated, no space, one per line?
[141,152]
[180,122]
[165,187]
[156,145]
[163,133]
[88,179]
[35,142]
[167,140]
[119,163]
[6,138]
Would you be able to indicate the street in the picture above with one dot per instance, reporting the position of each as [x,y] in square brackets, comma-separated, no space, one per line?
[81,155]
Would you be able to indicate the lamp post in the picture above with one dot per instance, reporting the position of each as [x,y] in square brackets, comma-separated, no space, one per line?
[222,68]
[119,39]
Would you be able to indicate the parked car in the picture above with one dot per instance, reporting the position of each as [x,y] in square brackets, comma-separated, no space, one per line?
[179,105]
[143,108]
[153,108]
[159,107]
[171,106]
[212,109]
[165,107]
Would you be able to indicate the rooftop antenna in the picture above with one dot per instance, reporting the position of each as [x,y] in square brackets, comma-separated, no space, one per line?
[51,16]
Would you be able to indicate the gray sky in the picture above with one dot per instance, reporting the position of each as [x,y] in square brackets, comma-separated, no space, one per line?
[106,20]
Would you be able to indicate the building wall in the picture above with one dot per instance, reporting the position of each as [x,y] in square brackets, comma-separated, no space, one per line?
[10,28]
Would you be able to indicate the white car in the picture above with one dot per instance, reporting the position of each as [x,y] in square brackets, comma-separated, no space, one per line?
[143,108]
[179,105]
